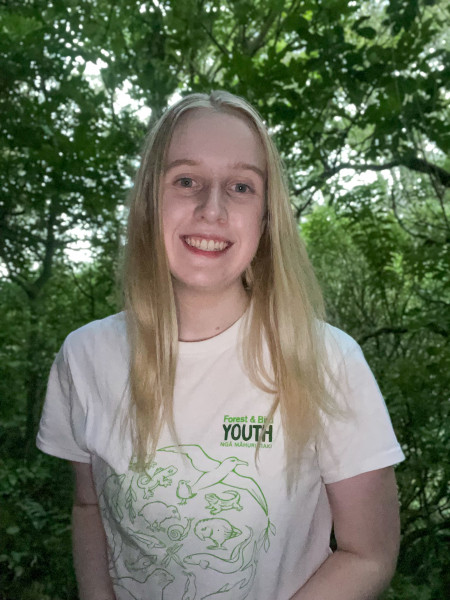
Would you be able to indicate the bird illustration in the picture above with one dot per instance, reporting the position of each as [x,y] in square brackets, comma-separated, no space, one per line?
[161,579]
[155,513]
[218,531]
[214,471]
[184,491]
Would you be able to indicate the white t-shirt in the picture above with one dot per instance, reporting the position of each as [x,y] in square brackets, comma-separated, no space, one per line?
[203,521]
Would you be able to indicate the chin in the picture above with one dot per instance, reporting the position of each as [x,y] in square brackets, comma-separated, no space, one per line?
[205,285]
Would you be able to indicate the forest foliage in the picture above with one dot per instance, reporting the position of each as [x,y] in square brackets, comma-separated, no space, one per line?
[356,95]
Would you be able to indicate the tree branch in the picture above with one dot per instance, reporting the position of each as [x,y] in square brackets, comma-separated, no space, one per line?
[429,530]
[421,165]
[254,45]
[213,39]
[431,326]
[47,262]
[382,331]
[413,163]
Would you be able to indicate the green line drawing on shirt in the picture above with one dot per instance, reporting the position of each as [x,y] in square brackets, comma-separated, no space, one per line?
[223,592]
[190,588]
[214,471]
[218,531]
[163,579]
[157,581]
[110,495]
[177,532]
[150,481]
[235,563]
[144,536]
[216,504]
[184,491]
[270,529]
[114,538]
[141,565]
[241,589]
[130,497]
[160,512]
[148,540]
[172,555]
[247,584]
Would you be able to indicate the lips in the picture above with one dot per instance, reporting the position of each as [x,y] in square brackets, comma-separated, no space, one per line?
[206,244]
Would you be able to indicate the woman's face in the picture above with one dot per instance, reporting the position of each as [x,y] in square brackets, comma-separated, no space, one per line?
[213,204]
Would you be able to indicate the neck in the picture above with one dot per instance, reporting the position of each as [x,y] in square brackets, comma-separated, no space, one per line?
[203,315]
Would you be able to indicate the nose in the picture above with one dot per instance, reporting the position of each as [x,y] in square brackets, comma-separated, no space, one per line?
[212,205]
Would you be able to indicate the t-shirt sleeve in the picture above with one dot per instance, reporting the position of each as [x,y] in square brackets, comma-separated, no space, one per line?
[62,425]
[362,438]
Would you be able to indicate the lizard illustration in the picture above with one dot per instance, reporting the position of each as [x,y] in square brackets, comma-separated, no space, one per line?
[161,477]
[216,504]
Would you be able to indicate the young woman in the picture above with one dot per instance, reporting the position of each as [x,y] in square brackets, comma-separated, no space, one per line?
[218,426]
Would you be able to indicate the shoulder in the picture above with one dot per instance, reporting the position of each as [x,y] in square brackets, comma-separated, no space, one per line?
[102,329]
[100,337]
[339,346]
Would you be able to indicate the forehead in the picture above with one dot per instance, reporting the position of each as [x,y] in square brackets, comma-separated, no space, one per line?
[206,135]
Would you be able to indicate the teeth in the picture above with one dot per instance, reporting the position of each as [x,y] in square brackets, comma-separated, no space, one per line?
[207,245]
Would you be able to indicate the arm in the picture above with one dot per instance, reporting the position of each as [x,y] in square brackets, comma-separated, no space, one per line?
[367,530]
[89,542]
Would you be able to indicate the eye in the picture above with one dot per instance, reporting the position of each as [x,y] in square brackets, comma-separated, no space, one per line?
[185,182]
[242,188]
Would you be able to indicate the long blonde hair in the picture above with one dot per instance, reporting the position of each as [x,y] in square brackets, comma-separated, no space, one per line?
[287,308]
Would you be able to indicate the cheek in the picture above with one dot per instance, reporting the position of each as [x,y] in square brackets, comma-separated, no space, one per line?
[166,224]
[171,217]
[252,236]
[256,224]
[168,233]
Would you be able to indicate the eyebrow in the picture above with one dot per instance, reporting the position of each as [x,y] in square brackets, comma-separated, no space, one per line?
[249,167]
[180,161]
[236,165]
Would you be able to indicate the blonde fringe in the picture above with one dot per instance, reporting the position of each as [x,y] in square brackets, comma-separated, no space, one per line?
[287,307]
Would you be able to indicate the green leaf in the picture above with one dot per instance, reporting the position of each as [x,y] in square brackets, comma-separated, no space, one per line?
[12,530]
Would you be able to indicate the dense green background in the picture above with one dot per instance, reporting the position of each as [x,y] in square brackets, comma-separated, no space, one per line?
[357,96]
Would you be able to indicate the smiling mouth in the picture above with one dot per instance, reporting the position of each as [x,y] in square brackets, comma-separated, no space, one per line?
[206,245]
